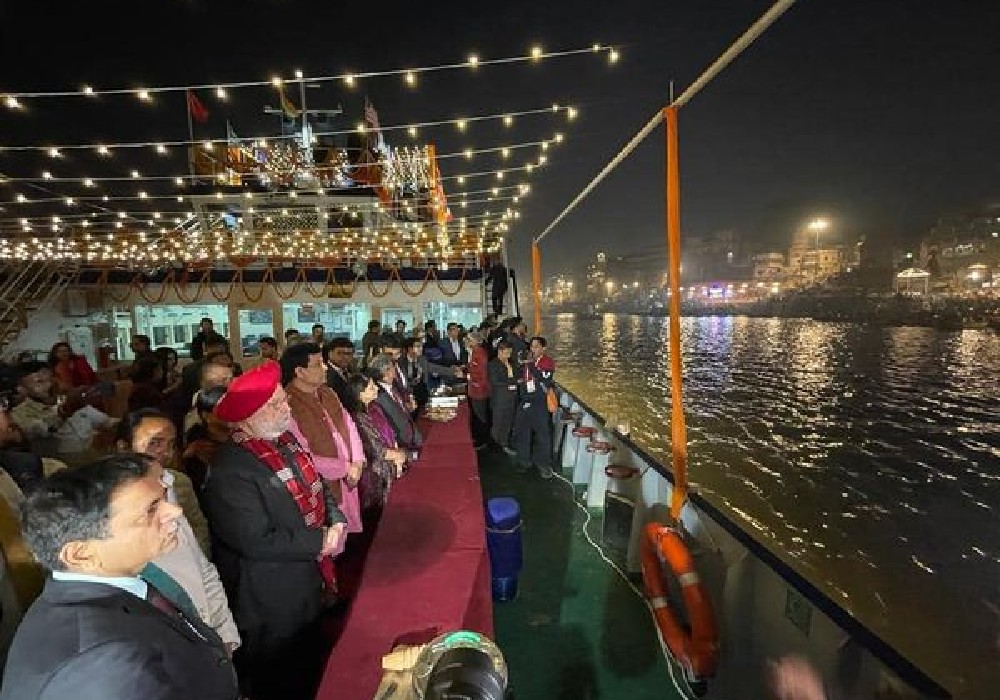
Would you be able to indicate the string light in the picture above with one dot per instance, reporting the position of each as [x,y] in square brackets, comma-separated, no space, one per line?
[411,78]
[221,93]
[415,161]
[143,95]
[262,142]
[536,52]
[88,91]
[473,60]
[11,102]
[613,56]
[54,153]
[349,80]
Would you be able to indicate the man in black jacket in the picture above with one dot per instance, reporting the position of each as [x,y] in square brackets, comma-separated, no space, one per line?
[339,356]
[98,630]
[205,336]
[274,526]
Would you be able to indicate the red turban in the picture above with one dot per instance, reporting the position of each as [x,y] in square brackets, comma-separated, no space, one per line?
[248,392]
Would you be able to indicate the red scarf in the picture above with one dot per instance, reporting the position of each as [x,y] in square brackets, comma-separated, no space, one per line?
[308,497]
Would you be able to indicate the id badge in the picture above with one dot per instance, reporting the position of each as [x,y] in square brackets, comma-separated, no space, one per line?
[530,386]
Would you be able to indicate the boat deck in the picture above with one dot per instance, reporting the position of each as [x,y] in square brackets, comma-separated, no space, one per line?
[576,631]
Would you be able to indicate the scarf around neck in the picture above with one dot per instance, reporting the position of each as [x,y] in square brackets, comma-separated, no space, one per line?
[310,412]
[305,487]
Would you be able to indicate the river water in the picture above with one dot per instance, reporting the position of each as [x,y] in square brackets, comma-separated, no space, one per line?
[869,458]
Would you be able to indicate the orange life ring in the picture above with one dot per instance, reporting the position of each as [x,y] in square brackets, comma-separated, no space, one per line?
[697,650]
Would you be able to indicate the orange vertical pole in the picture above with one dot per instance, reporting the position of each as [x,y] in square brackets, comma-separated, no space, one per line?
[536,285]
[678,425]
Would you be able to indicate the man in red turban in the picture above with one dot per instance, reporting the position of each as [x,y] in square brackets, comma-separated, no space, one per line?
[274,525]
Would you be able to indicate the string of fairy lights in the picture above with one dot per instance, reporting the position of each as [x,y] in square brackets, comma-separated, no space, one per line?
[270,197]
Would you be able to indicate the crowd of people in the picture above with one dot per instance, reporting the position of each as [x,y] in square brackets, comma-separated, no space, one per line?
[203,553]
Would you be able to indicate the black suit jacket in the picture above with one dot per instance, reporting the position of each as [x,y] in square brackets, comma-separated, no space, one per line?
[265,554]
[407,433]
[336,382]
[92,641]
[449,357]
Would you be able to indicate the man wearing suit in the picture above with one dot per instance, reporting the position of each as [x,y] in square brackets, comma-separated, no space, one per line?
[275,525]
[339,356]
[99,631]
[417,369]
[384,371]
[453,349]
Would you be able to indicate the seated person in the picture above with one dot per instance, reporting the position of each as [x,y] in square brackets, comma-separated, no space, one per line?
[41,416]
[16,458]
[147,378]
[99,630]
[70,371]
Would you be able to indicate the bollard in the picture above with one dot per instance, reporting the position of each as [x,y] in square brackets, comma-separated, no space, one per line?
[601,450]
[619,507]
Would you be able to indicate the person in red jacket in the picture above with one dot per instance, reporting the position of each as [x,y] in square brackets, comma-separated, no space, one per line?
[479,390]
[70,371]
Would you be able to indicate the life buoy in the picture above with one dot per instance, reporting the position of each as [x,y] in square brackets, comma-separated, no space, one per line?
[697,646]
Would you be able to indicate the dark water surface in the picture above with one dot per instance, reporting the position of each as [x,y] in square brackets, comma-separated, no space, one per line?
[869,458]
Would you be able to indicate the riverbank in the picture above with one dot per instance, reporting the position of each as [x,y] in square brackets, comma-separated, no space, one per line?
[950,314]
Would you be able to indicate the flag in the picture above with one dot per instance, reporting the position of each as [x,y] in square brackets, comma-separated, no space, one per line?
[196,109]
[287,106]
[371,116]
[231,138]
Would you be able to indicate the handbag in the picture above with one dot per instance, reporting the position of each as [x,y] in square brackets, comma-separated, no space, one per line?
[551,400]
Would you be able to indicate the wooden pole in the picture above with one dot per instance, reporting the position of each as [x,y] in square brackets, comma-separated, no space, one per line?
[678,425]
[536,285]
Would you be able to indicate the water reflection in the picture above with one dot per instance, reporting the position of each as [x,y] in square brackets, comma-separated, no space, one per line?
[867,456]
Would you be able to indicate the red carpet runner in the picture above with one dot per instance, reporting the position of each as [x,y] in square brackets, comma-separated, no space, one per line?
[427,571]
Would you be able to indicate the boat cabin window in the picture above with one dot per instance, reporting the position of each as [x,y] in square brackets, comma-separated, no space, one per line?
[175,326]
[339,320]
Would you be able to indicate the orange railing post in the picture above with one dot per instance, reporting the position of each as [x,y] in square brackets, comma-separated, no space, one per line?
[678,425]
[536,285]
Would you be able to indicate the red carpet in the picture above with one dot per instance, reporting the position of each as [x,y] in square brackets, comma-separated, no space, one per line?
[427,570]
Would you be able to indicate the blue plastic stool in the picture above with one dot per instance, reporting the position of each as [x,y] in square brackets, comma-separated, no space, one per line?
[503,540]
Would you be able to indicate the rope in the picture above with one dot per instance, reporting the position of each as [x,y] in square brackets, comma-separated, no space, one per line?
[687,693]
[758,28]
[622,155]
[720,63]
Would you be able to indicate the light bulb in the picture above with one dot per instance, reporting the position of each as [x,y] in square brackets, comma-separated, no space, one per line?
[143,95]
[220,93]
[473,60]
[536,52]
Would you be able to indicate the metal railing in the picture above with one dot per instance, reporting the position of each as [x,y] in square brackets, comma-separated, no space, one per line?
[29,286]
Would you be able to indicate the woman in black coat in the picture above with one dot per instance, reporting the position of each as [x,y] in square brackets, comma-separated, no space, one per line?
[503,396]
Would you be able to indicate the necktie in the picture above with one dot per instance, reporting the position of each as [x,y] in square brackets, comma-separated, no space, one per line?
[160,601]
[164,605]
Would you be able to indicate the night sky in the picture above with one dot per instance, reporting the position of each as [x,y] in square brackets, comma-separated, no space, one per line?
[881,114]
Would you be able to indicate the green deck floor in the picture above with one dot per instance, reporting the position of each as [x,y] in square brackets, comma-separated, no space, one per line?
[576,631]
